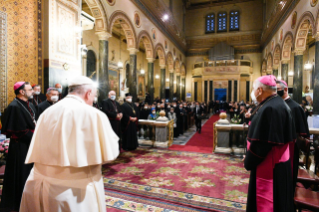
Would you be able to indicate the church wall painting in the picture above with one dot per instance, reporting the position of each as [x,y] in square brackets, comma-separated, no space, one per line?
[24,52]
[294,20]
[111,2]
[313,3]
[114,81]
[137,19]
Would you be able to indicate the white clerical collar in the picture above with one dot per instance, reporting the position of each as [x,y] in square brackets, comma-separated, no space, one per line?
[288,97]
[75,97]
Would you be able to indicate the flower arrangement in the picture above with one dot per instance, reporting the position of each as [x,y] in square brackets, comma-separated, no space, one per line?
[235,119]
[309,108]
[4,147]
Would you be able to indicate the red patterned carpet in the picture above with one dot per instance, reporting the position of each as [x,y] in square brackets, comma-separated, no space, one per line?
[165,180]
[203,142]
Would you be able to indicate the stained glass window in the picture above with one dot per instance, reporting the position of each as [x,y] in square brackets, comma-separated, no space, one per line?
[210,23]
[222,22]
[234,21]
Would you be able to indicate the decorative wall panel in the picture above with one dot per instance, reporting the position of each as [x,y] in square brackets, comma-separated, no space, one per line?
[3,60]
[22,42]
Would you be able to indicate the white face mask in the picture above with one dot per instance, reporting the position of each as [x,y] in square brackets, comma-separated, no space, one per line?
[54,98]
[60,90]
[37,92]
[253,97]
[129,100]
[95,100]
[113,97]
[153,112]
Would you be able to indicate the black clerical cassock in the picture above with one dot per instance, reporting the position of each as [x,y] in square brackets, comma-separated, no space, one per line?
[19,124]
[111,109]
[302,131]
[270,137]
[43,106]
[129,128]
[37,99]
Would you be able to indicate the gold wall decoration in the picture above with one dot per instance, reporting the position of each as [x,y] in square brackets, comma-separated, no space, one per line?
[23,31]
[313,3]
[294,20]
[3,61]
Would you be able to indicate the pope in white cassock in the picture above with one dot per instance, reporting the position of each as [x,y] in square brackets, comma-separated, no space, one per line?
[70,143]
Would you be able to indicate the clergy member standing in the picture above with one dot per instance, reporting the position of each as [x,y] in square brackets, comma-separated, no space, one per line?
[270,136]
[113,111]
[128,124]
[301,125]
[52,97]
[70,143]
[58,86]
[38,97]
[19,124]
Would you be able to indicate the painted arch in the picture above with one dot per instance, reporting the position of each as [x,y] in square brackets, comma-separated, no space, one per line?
[127,27]
[177,66]
[269,62]
[159,50]
[306,22]
[277,53]
[145,38]
[170,62]
[286,46]
[99,14]
[183,70]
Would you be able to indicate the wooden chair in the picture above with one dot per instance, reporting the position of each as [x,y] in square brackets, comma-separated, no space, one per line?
[305,148]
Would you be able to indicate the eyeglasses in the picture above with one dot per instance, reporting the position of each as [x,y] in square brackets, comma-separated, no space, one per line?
[28,89]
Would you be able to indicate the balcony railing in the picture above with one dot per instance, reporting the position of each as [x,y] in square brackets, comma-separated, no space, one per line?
[223,63]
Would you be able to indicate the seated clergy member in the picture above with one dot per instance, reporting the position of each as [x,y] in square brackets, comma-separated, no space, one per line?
[38,97]
[18,125]
[71,141]
[52,97]
[270,136]
[301,125]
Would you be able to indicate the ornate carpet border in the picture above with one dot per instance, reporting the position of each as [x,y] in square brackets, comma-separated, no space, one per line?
[133,203]
[174,196]
[191,154]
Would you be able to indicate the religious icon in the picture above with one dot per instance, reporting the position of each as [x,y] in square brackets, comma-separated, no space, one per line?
[154,34]
[281,34]
[111,2]
[294,20]
[166,46]
[313,2]
[272,45]
[174,51]
[266,53]
[137,20]
[180,57]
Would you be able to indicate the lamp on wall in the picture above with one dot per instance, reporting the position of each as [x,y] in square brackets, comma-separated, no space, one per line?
[157,76]
[120,64]
[290,73]
[142,71]
[167,80]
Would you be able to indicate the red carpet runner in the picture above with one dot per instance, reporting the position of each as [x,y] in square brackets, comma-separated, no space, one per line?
[204,142]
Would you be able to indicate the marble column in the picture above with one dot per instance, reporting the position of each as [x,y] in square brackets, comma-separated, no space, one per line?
[163,81]
[298,75]
[284,71]
[183,89]
[171,86]
[150,75]
[103,64]
[275,72]
[132,78]
[178,87]
[316,80]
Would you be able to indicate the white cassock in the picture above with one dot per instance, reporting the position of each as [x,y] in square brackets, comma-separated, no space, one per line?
[70,143]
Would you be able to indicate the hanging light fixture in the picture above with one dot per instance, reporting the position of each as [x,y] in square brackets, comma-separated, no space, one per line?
[120,64]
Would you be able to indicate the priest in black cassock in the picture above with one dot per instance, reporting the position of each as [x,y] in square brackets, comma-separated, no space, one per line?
[301,125]
[52,97]
[113,111]
[270,136]
[38,97]
[129,124]
[19,124]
